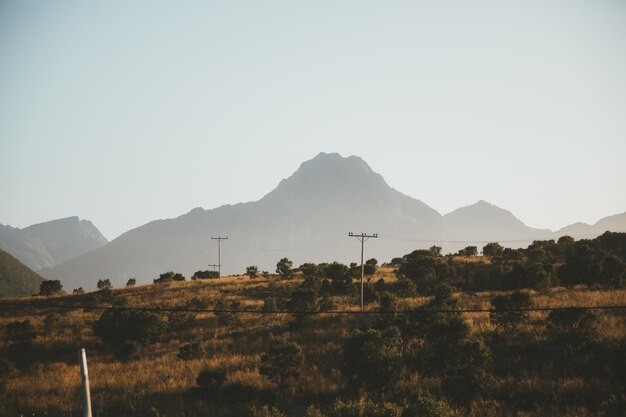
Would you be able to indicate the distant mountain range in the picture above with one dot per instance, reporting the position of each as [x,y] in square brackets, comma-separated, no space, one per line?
[16,279]
[48,244]
[306,218]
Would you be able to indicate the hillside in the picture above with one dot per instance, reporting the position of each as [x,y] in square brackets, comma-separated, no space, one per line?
[16,279]
[307,218]
[51,243]
[528,367]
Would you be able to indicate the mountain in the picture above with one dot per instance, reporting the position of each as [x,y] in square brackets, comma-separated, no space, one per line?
[51,243]
[16,279]
[306,218]
[616,223]
[483,221]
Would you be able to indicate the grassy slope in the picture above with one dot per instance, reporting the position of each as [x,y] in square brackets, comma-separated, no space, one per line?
[16,279]
[160,381]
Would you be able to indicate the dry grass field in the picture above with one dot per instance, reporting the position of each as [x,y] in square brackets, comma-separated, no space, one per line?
[158,383]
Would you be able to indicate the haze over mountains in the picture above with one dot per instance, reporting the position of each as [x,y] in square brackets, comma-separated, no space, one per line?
[306,218]
[50,243]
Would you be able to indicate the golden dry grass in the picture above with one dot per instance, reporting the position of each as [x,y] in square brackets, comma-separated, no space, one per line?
[161,380]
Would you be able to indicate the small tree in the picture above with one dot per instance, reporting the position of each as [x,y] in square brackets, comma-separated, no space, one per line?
[469,251]
[78,290]
[104,284]
[169,277]
[283,268]
[509,319]
[252,271]
[283,360]
[131,282]
[493,249]
[369,268]
[50,287]
[373,359]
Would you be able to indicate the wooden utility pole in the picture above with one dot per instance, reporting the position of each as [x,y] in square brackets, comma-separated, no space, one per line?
[82,358]
[219,253]
[362,238]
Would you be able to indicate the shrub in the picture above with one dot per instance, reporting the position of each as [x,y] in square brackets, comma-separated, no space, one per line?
[168,277]
[282,360]
[388,302]
[572,328]
[211,378]
[53,323]
[21,332]
[119,326]
[78,290]
[205,275]
[283,268]
[424,405]
[269,304]
[50,287]
[503,319]
[406,288]
[104,284]
[326,304]
[191,351]
[131,282]
[372,359]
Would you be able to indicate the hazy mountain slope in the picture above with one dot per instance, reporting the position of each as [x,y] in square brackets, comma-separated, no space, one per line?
[483,221]
[16,279]
[51,243]
[307,217]
[616,223]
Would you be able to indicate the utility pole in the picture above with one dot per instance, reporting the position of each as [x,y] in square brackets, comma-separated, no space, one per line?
[362,238]
[219,253]
[82,358]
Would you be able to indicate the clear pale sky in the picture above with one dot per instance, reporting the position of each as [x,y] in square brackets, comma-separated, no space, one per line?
[126,112]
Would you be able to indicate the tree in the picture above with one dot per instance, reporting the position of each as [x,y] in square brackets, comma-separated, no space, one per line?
[205,275]
[373,359]
[509,319]
[309,270]
[131,282]
[168,277]
[78,290]
[468,251]
[119,326]
[282,360]
[104,284]
[283,268]
[50,287]
[493,249]
[252,271]
[369,268]
[339,274]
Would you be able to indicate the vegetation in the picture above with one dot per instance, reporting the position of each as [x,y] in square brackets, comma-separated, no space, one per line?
[50,287]
[16,279]
[566,362]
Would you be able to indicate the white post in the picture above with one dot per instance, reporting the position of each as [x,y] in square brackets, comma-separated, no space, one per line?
[82,358]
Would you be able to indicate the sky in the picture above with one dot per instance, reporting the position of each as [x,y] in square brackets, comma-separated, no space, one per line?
[126,112]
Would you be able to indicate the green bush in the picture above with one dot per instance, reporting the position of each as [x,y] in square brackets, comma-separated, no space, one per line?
[119,326]
[282,360]
[373,359]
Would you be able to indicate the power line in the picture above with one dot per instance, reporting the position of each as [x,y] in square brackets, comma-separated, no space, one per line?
[346,312]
